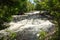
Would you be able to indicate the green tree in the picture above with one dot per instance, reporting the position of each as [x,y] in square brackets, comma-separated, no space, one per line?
[53,6]
[9,8]
[30,6]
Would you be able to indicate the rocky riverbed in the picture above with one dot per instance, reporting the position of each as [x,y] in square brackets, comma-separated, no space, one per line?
[28,27]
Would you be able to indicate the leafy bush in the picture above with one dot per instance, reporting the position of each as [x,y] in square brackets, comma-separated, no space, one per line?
[9,8]
[42,35]
[53,6]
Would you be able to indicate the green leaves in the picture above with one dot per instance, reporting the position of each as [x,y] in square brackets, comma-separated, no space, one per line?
[30,6]
[42,35]
[9,8]
[53,6]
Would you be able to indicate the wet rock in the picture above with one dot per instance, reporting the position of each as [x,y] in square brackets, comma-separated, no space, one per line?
[28,26]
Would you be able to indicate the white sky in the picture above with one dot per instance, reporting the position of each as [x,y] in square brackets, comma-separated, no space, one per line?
[32,1]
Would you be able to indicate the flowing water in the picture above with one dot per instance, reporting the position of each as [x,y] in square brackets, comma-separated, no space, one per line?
[27,27]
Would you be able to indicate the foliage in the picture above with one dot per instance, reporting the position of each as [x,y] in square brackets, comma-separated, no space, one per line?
[42,35]
[9,8]
[53,6]
[5,13]
[12,35]
[30,6]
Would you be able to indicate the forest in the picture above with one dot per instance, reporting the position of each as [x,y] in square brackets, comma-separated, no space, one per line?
[8,8]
